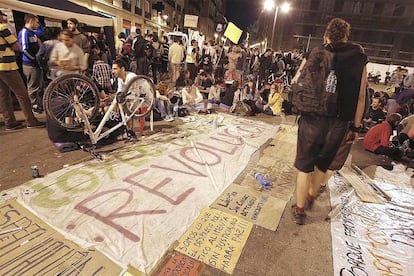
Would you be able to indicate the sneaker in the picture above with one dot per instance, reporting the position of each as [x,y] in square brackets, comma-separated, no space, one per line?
[131,136]
[168,118]
[298,215]
[37,109]
[14,126]
[35,124]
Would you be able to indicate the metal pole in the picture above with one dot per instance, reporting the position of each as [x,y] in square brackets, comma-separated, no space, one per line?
[307,45]
[274,24]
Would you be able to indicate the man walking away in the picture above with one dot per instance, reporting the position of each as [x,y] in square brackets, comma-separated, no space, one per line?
[319,137]
[10,79]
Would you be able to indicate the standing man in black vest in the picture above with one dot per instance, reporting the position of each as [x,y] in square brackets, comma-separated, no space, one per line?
[319,137]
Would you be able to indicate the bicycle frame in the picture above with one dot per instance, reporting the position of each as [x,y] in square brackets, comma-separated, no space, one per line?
[97,135]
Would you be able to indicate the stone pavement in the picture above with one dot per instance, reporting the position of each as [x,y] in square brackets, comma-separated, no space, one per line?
[291,250]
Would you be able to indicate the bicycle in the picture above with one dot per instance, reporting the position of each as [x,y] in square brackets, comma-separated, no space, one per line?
[72,101]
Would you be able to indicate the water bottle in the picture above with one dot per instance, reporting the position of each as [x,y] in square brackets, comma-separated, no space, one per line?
[264,182]
[175,110]
[214,123]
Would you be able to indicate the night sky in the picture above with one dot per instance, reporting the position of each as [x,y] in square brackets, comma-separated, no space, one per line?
[243,12]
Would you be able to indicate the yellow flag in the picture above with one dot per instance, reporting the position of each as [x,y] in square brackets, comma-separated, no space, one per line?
[233,33]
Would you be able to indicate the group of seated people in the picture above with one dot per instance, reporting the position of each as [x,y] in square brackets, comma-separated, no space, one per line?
[206,94]
[383,120]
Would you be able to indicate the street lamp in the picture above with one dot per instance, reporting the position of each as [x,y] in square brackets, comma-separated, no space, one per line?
[270,5]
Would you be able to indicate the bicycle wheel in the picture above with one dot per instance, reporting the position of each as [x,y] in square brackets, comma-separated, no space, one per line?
[139,96]
[60,95]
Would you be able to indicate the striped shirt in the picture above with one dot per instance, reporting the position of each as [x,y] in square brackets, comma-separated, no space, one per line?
[7,55]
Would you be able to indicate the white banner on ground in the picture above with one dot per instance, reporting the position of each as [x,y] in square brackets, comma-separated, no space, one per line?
[372,239]
[142,198]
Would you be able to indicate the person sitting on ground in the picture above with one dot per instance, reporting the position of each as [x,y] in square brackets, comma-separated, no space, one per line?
[253,96]
[374,114]
[180,82]
[123,76]
[203,82]
[274,107]
[214,93]
[227,102]
[192,98]
[162,101]
[377,139]
[405,132]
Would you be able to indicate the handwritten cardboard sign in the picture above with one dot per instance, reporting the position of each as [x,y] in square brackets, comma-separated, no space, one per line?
[30,247]
[255,206]
[216,238]
[181,265]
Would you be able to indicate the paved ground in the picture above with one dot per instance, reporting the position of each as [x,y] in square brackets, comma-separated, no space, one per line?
[291,250]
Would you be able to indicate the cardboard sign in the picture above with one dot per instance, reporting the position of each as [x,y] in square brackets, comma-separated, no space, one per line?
[216,238]
[233,33]
[255,206]
[30,247]
[191,21]
[181,265]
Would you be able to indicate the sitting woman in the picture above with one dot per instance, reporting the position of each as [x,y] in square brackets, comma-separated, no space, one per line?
[162,101]
[252,95]
[227,102]
[274,107]
[192,98]
[214,93]
[184,75]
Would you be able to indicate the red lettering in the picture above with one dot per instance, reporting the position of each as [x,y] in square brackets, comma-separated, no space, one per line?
[196,173]
[109,219]
[155,190]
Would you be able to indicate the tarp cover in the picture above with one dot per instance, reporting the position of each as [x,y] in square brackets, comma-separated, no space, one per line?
[62,10]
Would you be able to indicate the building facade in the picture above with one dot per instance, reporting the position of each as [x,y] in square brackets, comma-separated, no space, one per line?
[156,16]
[130,15]
[385,28]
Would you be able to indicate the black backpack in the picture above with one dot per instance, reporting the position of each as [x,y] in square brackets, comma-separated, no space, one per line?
[315,92]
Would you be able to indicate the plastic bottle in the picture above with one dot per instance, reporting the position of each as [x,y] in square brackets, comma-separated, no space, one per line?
[175,110]
[264,182]
[214,123]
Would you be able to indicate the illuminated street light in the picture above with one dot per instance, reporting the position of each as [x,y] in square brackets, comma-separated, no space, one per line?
[270,5]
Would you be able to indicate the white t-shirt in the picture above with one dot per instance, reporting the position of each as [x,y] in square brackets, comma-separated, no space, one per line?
[122,84]
[74,55]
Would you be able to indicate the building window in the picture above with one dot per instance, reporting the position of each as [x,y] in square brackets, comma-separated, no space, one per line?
[138,3]
[339,5]
[126,5]
[399,10]
[378,8]
[358,7]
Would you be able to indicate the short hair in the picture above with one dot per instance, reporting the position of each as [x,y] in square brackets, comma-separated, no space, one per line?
[203,74]
[120,62]
[338,29]
[394,118]
[28,17]
[188,82]
[73,20]
[67,32]
[122,35]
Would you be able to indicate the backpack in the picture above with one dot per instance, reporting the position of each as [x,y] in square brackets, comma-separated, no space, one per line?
[315,91]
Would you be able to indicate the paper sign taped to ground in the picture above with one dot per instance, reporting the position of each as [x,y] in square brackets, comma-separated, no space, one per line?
[233,33]
[216,238]
[180,264]
[143,197]
[255,206]
[371,239]
[31,247]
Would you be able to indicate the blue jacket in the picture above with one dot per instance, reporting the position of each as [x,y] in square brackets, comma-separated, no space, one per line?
[30,44]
